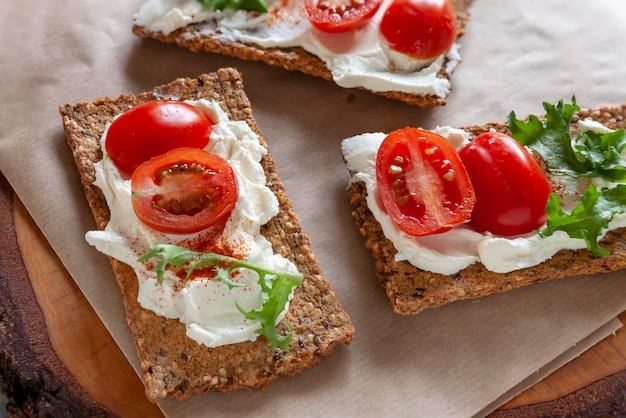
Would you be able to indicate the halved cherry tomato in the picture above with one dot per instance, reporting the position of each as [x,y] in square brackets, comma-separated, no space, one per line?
[340,15]
[184,190]
[422,29]
[153,128]
[511,188]
[422,182]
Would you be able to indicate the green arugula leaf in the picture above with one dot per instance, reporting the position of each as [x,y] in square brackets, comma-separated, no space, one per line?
[589,218]
[173,256]
[590,155]
[602,154]
[274,299]
[275,286]
[249,5]
[550,139]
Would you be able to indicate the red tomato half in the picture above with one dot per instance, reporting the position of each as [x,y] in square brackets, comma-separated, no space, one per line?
[183,191]
[422,29]
[422,182]
[340,15]
[511,188]
[153,128]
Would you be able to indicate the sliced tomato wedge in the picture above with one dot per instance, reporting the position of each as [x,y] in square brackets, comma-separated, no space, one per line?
[422,182]
[183,191]
[340,15]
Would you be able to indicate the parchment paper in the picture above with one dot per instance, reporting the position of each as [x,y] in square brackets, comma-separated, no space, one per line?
[462,359]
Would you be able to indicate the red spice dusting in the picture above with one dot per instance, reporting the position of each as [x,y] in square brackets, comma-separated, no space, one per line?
[281,11]
[178,286]
[206,273]
[557,187]
[137,248]
[209,240]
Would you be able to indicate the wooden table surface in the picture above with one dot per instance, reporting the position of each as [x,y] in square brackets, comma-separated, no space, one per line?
[52,362]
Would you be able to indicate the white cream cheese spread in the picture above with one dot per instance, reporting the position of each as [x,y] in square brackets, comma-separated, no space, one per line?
[358,58]
[207,307]
[451,251]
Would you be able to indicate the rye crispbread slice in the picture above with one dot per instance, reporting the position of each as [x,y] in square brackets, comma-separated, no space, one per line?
[173,365]
[411,290]
[199,37]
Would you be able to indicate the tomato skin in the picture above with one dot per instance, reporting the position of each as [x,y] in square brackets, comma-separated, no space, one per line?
[337,16]
[183,191]
[422,182]
[422,29]
[153,128]
[511,188]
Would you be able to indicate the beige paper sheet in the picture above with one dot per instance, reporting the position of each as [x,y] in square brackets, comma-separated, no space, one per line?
[460,360]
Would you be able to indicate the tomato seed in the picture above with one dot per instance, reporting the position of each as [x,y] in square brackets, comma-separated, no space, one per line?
[183,168]
[339,9]
[399,160]
[402,200]
[184,201]
[395,170]
[188,202]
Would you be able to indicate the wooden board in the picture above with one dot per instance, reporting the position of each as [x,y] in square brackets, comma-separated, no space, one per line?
[57,358]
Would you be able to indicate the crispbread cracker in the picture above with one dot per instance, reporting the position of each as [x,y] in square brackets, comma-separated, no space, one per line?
[197,38]
[411,290]
[173,365]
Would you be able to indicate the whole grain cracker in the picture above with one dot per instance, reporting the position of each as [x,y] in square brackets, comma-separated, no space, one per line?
[172,364]
[196,38]
[411,290]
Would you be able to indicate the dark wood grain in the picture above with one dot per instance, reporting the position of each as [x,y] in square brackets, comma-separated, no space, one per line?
[603,398]
[54,364]
[32,376]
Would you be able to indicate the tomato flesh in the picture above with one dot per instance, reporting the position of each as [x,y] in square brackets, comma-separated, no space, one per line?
[511,188]
[422,183]
[153,128]
[422,29]
[340,15]
[183,191]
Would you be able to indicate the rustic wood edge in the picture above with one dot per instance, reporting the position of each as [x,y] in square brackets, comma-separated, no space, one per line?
[32,377]
[603,398]
[36,382]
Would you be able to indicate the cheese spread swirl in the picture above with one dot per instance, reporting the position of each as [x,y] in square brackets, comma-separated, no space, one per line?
[451,251]
[358,58]
[208,308]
